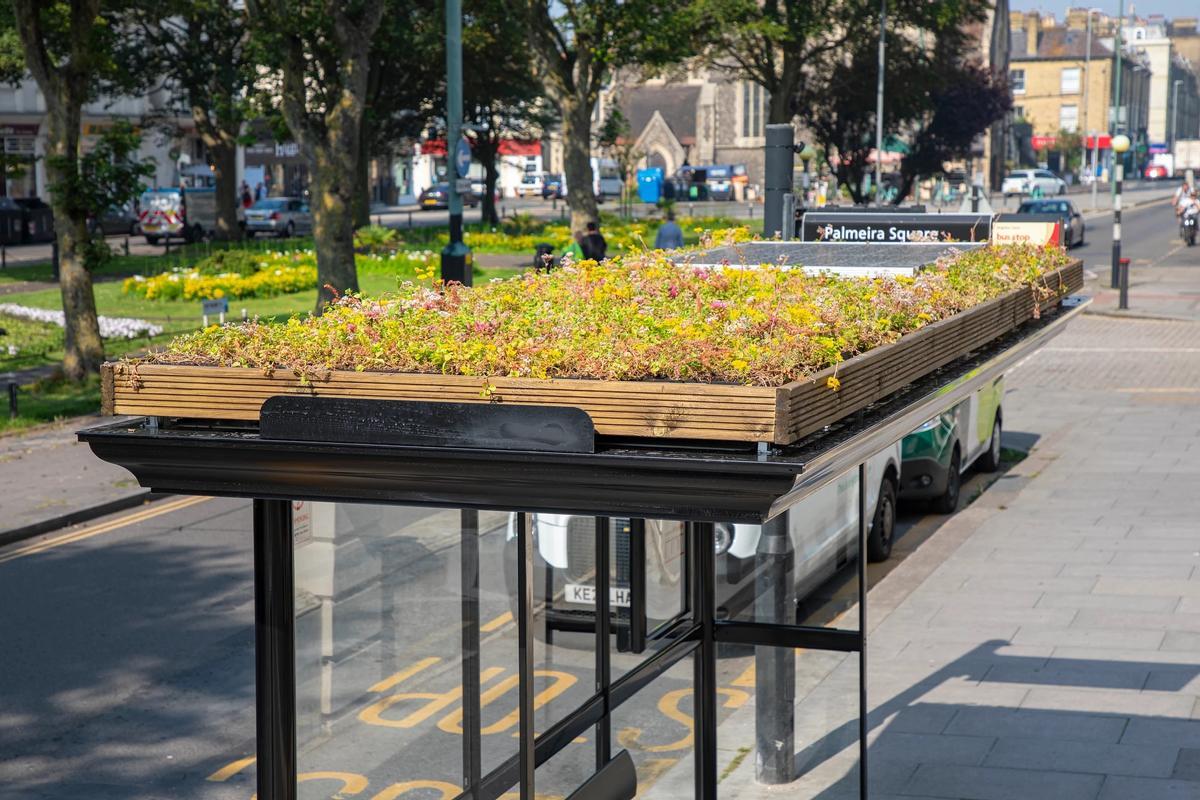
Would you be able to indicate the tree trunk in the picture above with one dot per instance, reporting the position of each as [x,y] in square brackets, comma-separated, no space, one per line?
[361,212]
[486,153]
[577,164]
[333,221]
[223,150]
[83,350]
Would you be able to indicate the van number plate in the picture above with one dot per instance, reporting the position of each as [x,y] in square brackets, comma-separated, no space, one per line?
[582,593]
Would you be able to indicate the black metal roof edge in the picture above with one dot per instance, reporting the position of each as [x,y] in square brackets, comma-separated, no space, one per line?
[693,489]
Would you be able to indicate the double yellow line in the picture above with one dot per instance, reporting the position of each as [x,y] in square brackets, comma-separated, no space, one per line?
[156,510]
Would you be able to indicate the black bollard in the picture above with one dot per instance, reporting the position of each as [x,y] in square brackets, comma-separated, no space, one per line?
[779,156]
[12,400]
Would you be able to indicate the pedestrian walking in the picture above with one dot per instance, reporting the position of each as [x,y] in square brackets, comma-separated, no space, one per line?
[258,191]
[594,245]
[670,235]
[247,200]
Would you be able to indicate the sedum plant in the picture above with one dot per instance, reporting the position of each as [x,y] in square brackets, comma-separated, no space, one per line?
[644,318]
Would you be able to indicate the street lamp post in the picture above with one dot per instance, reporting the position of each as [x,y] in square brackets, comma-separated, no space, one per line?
[456,256]
[1087,79]
[1175,112]
[1117,74]
[879,104]
[1120,272]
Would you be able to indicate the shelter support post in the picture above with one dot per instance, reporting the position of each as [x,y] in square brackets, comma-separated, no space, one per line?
[274,650]
[705,664]
[775,667]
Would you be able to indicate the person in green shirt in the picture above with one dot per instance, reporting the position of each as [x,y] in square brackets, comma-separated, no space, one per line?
[575,248]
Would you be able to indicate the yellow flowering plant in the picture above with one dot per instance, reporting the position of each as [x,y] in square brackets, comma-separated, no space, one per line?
[644,317]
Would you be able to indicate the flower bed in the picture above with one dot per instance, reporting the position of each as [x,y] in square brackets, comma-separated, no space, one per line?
[648,347]
[110,327]
[238,274]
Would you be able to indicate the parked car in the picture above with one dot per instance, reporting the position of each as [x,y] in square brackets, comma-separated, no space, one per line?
[438,196]
[935,455]
[113,221]
[554,185]
[1024,181]
[530,185]
[282,216]
[1072,220]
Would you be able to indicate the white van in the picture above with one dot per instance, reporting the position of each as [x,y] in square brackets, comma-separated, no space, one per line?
[173,213]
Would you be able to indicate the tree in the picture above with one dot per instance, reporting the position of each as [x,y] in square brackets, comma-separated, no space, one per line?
[578,43]
[1069,144]
[616,139]
[501,95]
[201,48]
[67,47]
[410,41]
[927,54]
[964,99]
[321,49]
[780,44]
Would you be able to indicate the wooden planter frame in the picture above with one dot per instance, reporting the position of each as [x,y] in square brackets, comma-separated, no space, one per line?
[652,409]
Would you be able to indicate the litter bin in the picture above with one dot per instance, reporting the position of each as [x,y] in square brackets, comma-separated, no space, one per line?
[38,220]
[11,221]
[650,184]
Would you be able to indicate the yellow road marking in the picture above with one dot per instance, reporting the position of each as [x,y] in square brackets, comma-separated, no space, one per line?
[227,772]
[352,782]
[498,622]
[746,679]
[157,510]
[372,714]
[405,674]
[448,790]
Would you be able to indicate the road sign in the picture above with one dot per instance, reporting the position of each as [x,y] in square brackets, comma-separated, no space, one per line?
[219,306]
[462,158]
[462,185]
[848,227]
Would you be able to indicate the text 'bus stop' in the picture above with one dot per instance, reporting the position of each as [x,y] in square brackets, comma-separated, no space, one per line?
[483,600]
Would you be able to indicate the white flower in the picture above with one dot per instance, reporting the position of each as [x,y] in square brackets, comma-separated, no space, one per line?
[110,327]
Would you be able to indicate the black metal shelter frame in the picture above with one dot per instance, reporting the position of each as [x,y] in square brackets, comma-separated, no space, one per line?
[698,484]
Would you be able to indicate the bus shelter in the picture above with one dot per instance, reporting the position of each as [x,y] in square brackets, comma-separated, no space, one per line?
[416,563]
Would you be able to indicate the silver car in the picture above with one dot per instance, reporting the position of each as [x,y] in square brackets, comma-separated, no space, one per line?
[1024,181]
[282,216]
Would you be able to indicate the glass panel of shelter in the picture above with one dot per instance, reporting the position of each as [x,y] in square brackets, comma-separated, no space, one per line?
[398,607]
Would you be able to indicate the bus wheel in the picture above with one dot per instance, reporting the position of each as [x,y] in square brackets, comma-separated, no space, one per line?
[883,526]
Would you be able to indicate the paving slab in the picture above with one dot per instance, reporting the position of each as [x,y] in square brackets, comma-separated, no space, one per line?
[47,475]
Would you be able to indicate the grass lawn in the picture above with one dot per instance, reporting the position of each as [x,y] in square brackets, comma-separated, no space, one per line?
[50,400]
[39,344]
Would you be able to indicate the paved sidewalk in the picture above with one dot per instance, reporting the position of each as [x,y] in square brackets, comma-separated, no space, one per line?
[1043,643]
[47,474]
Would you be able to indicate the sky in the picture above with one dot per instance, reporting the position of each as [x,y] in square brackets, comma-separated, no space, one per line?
[1168,8]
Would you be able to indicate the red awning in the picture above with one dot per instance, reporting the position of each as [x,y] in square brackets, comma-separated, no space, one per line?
[1105,141]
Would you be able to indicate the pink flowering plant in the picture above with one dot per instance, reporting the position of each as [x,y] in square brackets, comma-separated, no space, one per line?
[643,318]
